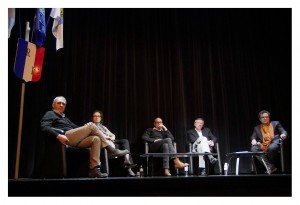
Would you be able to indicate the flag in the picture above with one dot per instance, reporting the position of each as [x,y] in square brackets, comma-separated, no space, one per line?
[29,61]
[39,27]
[57,28]
[11,19]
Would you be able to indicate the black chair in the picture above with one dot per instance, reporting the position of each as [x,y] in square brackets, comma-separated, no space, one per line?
[156,165]
[66,161]
[258,167]
[208,166]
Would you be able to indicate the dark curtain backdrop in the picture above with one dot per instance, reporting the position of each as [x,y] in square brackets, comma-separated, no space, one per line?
[224,65]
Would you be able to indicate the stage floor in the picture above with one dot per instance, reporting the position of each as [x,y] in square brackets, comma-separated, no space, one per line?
[179,186]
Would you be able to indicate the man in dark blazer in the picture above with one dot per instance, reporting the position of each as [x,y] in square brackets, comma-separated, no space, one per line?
[267,137]
[203,141]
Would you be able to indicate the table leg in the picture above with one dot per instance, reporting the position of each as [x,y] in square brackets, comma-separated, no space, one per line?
[237,166]
[265,165]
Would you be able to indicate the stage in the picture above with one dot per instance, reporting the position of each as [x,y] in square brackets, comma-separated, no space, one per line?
[177,186]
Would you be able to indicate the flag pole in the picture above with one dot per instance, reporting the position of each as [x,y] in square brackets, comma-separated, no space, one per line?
[21,114]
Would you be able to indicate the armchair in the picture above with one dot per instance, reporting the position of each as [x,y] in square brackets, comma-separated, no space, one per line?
[207,164]
[155,164]
[280,162]
[61,160]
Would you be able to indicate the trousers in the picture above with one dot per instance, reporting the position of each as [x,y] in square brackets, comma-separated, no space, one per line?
[88,136]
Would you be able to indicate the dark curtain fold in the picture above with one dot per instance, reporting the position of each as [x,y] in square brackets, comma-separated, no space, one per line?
[224,65]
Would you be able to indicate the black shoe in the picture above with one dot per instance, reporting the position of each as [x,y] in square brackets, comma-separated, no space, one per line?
[119,153]
[203,172]
[213,160]
[95,173]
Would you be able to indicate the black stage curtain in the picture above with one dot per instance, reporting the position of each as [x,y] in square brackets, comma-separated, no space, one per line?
[135,64]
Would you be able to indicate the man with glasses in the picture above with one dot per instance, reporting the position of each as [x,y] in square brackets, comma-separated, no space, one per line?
[160,140]
[267,137]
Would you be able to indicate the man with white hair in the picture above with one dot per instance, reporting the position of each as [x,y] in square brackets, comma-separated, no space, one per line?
[56,124]
[203,141]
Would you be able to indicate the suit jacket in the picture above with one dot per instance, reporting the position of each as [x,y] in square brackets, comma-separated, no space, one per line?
[278,130]
[192,135]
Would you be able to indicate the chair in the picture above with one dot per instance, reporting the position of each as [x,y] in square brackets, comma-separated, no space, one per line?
[207,164]
[66,161]
[147,160]
[281,160]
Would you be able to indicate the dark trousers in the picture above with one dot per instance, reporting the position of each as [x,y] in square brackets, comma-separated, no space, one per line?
[272,152]
[163,146]
[123,144]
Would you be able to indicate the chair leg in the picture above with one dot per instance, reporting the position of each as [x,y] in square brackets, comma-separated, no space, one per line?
[253,165]
[191,166]
[64,160]
[106,162]
[282,159]
[219,158]
[207,164]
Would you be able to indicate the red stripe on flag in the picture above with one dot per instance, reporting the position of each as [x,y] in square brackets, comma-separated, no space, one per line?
[38,64]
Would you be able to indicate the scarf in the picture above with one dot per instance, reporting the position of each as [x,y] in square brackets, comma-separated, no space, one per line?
[268,134]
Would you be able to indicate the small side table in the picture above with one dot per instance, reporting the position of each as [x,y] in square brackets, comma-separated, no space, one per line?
[245,153]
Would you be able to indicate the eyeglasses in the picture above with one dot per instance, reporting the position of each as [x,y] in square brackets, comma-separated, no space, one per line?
[158,122]
[96,115]
[264,117]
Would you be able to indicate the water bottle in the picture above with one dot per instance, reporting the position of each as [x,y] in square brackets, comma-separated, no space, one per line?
[186,170]
[226,168]
[141,171]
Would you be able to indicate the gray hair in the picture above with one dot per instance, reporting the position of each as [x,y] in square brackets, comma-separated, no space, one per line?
[58,97]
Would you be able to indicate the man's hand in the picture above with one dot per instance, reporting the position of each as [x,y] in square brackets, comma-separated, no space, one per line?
[254,142]
[63,139]
[283,136]
[211,143]
[164,128]
[89,123]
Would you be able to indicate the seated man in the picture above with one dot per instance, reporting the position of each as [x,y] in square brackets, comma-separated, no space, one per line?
[203,141]
[87,136]
[97,118]
[267,137]
[160,140]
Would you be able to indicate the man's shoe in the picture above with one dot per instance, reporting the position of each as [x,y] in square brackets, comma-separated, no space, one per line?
[203,172]
[131,173]
[179,164]
[119,153]
[167,173]
[95,173]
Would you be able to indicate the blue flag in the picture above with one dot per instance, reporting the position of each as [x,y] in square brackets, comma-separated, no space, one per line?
[39,27]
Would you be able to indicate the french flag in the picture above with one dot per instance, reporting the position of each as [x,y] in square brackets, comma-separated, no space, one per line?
[29,61]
